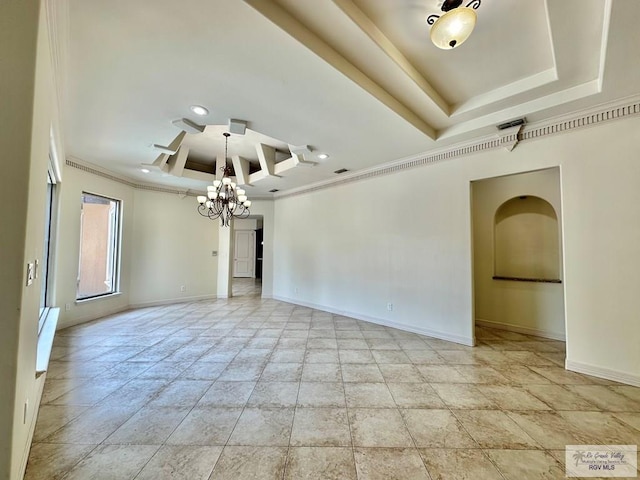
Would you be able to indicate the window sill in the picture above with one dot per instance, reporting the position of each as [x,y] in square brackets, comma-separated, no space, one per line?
[45,340]
[534,280]
[100,297]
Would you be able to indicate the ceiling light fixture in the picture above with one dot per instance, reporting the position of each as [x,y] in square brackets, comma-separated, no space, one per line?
[452,28]
[145,170]
[323,156]
[223,199]
[199,110]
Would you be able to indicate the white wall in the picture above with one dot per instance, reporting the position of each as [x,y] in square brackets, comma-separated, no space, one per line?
[601,207]
[172,246]
[27,116]
[165,245]
[75,182]
[355,248]
[536,308]
[416,253]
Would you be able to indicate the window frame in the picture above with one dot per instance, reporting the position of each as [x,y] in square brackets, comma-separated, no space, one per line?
[46,268]
[114,248]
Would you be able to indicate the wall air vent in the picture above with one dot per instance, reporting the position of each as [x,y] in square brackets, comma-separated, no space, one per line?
[342,170]
[512,123]
[274,190]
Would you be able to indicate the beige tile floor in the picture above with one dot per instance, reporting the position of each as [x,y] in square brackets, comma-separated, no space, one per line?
[259,389]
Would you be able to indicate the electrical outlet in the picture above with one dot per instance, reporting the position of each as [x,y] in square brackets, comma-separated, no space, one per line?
[390,307]
[183,288]
[67,307]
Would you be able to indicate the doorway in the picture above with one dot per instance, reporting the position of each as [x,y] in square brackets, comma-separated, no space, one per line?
[247,257]
[517,254]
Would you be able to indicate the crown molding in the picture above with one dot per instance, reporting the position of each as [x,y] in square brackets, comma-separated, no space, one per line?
[93,169]
[602,113]
[619,109]
[101,172]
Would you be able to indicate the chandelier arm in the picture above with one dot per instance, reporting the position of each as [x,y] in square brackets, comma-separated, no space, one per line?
[203,210]
[212,214]
[215,210]
[245,212]
[474,4]
[431,19]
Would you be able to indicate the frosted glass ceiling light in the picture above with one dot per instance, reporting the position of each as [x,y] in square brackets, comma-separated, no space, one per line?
[225,200]
[451,29]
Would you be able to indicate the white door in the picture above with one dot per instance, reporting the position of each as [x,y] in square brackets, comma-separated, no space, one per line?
[245,254]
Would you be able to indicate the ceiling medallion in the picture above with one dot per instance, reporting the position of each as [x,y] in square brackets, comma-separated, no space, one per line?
[452,28]
[224,200]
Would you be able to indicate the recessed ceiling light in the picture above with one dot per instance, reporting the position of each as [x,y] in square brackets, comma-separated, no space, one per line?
[199,110]
[145,170]
[323,156]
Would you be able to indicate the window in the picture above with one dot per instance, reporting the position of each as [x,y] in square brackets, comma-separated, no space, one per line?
[45,267]
[99,246]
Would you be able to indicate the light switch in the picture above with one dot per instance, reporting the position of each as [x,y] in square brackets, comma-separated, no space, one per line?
[30,273]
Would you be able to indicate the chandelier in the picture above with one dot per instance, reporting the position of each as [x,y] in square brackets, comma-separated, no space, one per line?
[452,28]
[223,199]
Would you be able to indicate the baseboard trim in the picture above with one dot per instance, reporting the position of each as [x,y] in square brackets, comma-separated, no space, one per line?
[159,303]
[66,323]
[380,321]
[601,372]
[523,330]
[133,306]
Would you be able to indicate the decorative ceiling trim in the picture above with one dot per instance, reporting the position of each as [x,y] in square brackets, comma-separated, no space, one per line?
[365,24]
[75,163]
[296,29]
[629,107]
[95,170]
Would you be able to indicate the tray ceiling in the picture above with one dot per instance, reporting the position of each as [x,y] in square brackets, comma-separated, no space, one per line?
[357,79]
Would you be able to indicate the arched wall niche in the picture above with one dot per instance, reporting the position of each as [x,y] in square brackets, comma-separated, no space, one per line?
[527,240]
